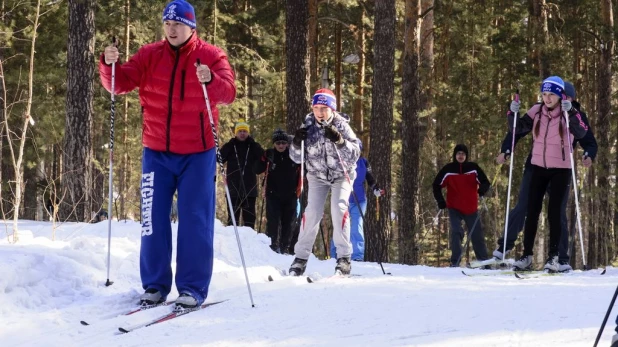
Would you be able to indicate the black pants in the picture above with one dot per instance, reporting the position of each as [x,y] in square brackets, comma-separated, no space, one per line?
[457,234]
[247,207]
[541,178]
[280,212]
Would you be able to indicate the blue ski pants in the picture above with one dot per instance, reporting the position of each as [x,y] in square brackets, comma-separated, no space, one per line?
[193,176]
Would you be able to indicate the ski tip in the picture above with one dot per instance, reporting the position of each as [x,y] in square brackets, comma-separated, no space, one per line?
[309,280]
[604,271]
[270,278]
[83,323]
[464,273]
[519,277]
[123,330]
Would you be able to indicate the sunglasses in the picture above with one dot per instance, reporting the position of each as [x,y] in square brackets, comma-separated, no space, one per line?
[279,143]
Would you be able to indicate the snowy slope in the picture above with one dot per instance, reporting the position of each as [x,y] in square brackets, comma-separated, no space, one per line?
[47,287]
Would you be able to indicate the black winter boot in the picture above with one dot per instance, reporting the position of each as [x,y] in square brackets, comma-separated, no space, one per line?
[343,266]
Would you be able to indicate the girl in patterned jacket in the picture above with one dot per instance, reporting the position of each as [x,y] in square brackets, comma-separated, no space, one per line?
[331,152]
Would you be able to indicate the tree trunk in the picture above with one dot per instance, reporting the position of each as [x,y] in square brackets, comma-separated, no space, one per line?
[79,107]
[296,63]
[541,35]
[378,225]
[125,173]
[603,133]
[410,132]
[358,117]
[312,43]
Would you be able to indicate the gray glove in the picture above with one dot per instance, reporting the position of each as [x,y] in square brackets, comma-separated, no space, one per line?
[566,105]
[515,106]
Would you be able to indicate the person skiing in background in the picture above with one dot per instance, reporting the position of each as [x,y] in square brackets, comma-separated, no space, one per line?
[464,181]
[241,153]
[332,150]
[282,180]
[517,215]
[550,164]
[179,151]
[357,235]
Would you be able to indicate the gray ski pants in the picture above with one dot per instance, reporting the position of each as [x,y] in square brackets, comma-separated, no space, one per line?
[340,195]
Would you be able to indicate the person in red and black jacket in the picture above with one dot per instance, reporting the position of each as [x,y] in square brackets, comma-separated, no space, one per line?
[464,181]
[179,150]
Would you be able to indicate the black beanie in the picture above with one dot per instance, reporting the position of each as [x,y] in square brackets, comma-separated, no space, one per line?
[280,135]
[460,148]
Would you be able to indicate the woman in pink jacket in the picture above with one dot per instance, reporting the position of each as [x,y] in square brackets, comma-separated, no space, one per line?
[551,164]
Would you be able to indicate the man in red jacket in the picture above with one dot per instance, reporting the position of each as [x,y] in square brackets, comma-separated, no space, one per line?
[179,151]
[464,182]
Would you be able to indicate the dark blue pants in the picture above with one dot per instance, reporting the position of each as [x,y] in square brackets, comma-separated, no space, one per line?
[517,217]
[472,220]
[192,175]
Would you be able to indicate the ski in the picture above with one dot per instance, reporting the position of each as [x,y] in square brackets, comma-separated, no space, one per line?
[129,312]
[545,273]
[336,275]
[488,273]
[177,312]
[492,261]
[272,279]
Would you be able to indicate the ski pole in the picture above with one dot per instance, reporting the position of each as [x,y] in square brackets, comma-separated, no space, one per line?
[264,182]
[609,310]
[345,172]
[111,171]
[478,217]
[508,195]
[227,190]
[436,219]
[574,178]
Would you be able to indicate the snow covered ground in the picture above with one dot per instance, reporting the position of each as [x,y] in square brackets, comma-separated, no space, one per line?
[47,287]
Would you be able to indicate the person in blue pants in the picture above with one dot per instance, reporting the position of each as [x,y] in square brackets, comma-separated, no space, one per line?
[517,216]
[179,150]
[357,235]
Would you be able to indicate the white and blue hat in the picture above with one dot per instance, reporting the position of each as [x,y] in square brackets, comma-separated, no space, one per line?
[325,97]
[180,11]
[553,84]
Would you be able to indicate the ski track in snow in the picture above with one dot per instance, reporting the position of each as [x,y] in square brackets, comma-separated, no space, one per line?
[47,287]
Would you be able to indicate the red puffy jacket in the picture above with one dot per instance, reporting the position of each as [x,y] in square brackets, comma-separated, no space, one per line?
[175,118]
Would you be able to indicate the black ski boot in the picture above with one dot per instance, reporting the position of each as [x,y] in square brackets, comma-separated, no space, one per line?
[298,267]
[343,266]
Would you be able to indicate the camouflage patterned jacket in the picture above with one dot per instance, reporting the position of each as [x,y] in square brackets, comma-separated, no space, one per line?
[321,158]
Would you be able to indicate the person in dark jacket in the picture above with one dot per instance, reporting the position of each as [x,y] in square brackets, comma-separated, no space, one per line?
[179,150]
[241,153]
[282,179]
[464,181]
[517,216]
[551,124]
[357,234]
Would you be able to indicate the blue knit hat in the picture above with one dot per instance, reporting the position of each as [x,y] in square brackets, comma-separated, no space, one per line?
[553,84]
[325,97]
[569,90]
[180,11]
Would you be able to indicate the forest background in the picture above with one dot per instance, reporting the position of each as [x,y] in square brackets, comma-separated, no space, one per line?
[416,78]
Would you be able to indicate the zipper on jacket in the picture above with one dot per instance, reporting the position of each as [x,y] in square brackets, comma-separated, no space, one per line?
[169,103]
[545,142]
[202,129]
[182,85]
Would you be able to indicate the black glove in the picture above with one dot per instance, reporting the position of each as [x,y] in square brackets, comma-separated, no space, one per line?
[270,155]
[442,204]
[331,133]
[482,191]
[299,136]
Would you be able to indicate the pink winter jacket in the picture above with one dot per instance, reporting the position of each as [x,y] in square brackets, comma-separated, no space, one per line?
[550,149]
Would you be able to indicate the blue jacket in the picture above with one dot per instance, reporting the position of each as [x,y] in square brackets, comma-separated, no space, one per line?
[363,172]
